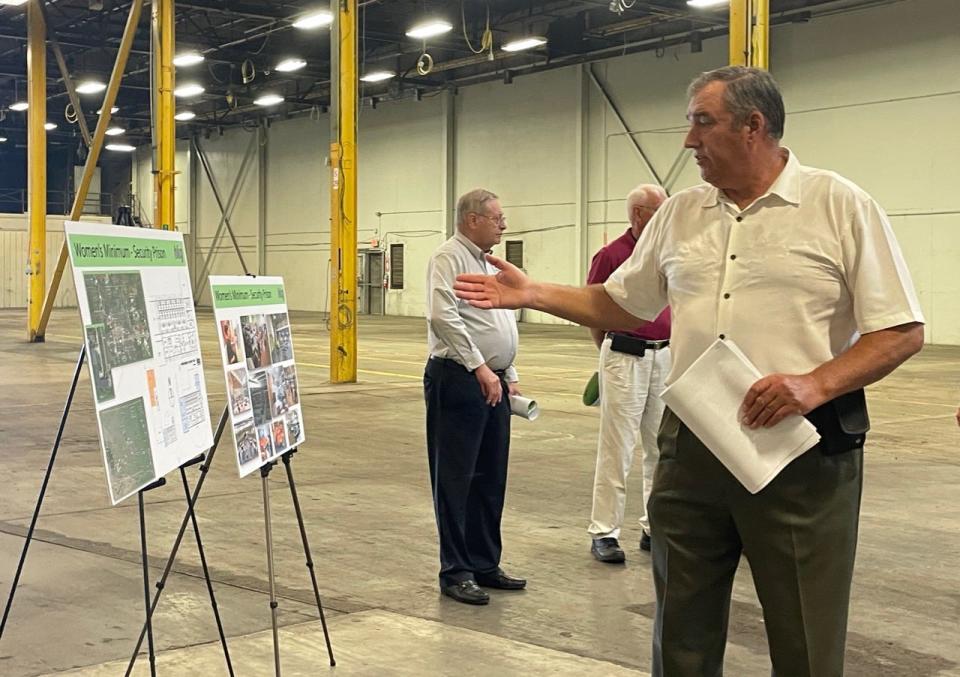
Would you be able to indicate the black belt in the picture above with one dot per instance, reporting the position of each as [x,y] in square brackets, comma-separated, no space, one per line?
[634,346]
[453,364]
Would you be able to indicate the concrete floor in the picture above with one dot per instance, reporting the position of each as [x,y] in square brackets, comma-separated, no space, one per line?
[362,477]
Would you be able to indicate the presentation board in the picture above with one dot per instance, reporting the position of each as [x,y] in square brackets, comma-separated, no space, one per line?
[143,351]
[256,345]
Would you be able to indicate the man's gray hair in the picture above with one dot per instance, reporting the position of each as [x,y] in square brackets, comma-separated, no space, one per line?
[748,90]
[643,195]
[472,203]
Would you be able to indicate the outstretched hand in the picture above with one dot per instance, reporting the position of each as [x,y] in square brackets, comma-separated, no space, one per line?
[510,288]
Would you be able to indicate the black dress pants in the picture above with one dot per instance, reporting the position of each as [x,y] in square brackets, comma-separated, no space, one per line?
[468,444]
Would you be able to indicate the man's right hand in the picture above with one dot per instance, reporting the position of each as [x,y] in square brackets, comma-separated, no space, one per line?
[489,384]
[510,288]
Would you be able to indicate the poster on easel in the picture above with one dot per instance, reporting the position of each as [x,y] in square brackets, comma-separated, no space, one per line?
[136,307]
[259,367]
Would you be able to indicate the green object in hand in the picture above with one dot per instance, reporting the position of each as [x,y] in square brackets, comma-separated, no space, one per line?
[591,394]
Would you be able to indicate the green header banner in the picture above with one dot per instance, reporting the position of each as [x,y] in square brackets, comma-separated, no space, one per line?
[240,295]
[102,251]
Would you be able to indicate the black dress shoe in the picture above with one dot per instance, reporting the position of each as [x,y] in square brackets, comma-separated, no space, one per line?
[501,581]
[607,550]
[467,592]
[645,542]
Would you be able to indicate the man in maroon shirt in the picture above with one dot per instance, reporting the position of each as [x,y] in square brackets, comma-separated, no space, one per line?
[633,366]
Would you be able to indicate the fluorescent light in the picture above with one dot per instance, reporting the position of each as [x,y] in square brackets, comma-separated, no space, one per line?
[49,125]
[90,87]
[288,65]
[314,20]
[429,29]
[185,115]
[115,131]
[187,59]
[113,109]
[188,90]
[3,139]
[524,43]
[377,76]
[701,4]
[269,100]
[19,105]
[13,3]
[125,147]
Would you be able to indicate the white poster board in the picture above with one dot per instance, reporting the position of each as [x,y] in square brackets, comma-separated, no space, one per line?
[143,352]
[256,345]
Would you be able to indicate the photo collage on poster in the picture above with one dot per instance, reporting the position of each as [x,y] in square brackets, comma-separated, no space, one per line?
[261,375]
[136,306]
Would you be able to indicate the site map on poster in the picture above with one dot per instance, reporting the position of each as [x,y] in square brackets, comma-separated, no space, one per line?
[258,364]
[143,352]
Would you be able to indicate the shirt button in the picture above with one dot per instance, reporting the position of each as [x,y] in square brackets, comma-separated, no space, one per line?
[739,219]
[726,296]
[733,257]
[723,336]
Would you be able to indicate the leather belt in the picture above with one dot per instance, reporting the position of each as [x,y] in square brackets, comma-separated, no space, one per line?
[453,364]
[634,346]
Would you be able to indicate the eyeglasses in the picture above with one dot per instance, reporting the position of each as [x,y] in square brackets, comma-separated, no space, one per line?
[499,220]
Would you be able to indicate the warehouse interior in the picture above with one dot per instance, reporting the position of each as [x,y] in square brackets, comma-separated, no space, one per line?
[562,128]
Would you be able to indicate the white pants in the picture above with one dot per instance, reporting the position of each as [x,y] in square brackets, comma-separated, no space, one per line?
[630,411]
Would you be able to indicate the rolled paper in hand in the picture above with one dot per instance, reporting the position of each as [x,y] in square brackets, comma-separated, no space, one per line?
[524,407]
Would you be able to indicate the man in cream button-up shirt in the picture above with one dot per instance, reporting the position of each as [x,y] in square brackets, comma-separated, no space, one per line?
[800,268]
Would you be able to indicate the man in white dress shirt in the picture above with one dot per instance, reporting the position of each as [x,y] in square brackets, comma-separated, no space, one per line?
[800,268]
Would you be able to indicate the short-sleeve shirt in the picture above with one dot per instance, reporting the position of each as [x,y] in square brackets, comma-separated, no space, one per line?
[793,278]
[607,260]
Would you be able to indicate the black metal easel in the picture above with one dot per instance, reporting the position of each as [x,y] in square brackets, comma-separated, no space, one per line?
[144,558]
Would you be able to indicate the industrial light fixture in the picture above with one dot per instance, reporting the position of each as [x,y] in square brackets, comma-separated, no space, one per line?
[49,125]
[113,109]
[377,76]
[528,42]
[91,87]
[13,3]
[429,29]
[187,58]
[288,65]
[124,147]
[3,139]
[314,20]
[185,115]
[188,90]
[269,100]
[702,4]
[114,131]
[19,105]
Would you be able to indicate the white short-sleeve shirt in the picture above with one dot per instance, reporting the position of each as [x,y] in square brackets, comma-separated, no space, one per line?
[793,278]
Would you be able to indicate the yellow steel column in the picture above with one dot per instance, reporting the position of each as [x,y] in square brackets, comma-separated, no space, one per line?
[103,121]
[167,138]
[739,32]
[760,39]
[37,166]
[343,194]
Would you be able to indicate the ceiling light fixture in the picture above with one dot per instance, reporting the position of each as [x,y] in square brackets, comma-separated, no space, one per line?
[429,29]
[19,105]
[185,115]
[288,65]
[269,100]
[113,109]
[49,125]
[3,139]
[703,4]
[13,3]
[528,42]
[91,87]
[188,90]
[314,20]
[115,131]
[125,147]
[377,76]
[187,59]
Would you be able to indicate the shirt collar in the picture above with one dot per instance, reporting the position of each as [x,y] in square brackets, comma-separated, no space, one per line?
[474,250]
[786,185]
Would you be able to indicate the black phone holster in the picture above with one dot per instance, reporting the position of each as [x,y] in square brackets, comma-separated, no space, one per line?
[842,422]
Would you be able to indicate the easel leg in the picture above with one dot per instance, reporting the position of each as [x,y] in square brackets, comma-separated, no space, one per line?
[206,571]
[306,550]
[146,585]
[204,468]
[43,487]
[264,475]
